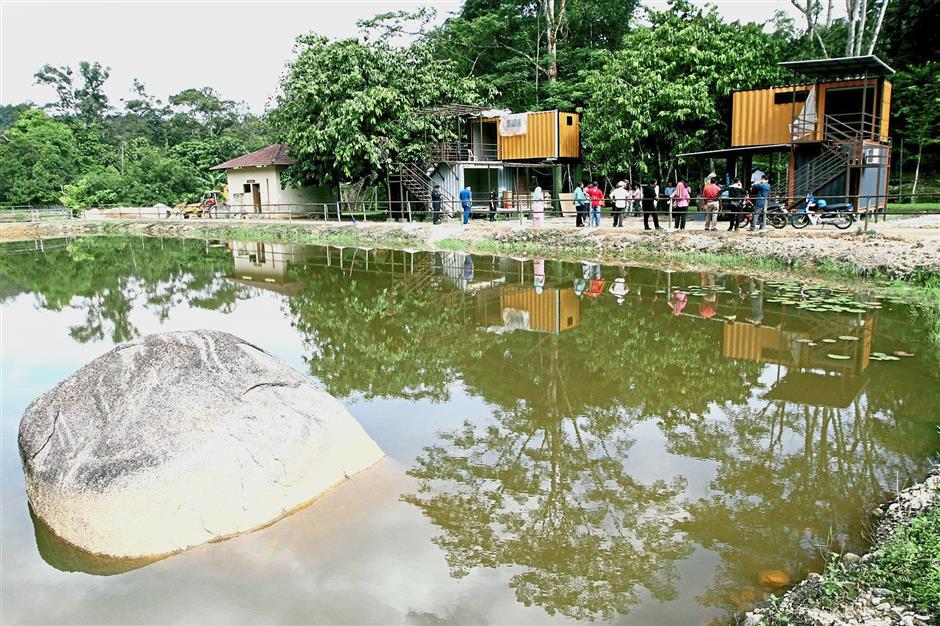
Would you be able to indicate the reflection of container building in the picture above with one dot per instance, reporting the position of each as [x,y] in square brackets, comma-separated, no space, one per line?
[810,372]
[514,307]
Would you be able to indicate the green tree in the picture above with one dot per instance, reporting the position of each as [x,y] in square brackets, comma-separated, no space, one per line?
[95,188]
[206,107]
[348,107]
[37,158]
[87,102]
[667,89]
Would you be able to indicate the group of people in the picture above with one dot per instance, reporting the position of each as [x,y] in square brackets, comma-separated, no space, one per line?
[730,198]
[675,199]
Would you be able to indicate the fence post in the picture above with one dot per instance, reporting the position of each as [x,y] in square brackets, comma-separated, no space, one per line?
[338,216]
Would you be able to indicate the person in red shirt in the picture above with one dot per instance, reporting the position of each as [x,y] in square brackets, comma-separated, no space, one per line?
[597,201]
[710,196]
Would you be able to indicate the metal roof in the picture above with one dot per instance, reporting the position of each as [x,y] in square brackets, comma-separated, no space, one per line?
[453,110]
[840,66]
[762,149]
[275,154]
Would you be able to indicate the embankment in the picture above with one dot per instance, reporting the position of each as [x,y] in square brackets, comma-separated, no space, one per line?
[897,582]
[848,254]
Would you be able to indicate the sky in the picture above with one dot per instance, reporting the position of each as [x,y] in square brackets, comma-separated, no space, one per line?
[239,48]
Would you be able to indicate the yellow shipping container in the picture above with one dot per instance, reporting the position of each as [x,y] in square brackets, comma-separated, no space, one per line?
[549,135]
[763,116]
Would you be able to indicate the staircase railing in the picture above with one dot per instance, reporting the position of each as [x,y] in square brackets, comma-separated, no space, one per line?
[844,137]
[455,151]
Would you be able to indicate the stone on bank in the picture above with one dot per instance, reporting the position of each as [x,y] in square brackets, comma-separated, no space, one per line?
[180,438]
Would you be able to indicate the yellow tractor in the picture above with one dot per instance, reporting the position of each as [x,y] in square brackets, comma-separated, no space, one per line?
[211,203]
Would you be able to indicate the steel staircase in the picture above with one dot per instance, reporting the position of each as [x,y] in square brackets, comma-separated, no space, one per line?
[841,150]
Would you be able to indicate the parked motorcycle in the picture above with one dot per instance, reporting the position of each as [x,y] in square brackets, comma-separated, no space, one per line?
[839,215]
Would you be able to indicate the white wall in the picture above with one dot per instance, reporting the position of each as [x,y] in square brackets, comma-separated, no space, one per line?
[273,198]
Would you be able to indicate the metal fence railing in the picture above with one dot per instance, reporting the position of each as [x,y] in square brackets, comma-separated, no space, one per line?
[777,210]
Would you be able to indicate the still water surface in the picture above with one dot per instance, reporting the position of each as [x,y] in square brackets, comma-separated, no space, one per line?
[566,441]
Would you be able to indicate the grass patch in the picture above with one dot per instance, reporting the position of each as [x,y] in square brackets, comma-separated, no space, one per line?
[905,562]
[913,207]
[452,245]
[908,563]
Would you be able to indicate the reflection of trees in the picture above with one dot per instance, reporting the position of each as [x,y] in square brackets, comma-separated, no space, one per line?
[105,276]
[792,481]
[376,335]
[544,488]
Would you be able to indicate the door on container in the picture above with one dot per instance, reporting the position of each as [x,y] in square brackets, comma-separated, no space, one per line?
[851,109]
[256,196]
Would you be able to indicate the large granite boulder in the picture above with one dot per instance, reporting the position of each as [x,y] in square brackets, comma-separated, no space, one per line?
[181,438]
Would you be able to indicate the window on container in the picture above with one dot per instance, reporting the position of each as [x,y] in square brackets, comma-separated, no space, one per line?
[787,97]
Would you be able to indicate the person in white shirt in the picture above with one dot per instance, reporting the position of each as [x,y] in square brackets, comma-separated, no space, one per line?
[619,196]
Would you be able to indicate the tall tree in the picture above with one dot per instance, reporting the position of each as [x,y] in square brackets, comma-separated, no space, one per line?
[667,90]
[347,107]
[39,155]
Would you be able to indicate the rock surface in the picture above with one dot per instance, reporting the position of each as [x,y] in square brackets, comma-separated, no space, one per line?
[181,438]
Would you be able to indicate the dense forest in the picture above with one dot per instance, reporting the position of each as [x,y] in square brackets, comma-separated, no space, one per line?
[650,83]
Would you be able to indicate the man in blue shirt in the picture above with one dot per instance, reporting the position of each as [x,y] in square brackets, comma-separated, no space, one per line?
[762,192]
[581,204]
[466,201]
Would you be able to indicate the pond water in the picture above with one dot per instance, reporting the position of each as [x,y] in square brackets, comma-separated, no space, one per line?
[566,441]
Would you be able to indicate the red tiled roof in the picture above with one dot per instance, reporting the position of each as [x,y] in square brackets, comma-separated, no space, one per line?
[275,154]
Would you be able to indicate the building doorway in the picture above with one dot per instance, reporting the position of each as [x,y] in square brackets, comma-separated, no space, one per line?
[256,196]
[852,107]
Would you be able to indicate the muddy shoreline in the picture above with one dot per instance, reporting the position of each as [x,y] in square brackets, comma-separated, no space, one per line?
[849,254]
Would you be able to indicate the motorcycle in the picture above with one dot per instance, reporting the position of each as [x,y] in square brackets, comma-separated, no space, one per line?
[839,215]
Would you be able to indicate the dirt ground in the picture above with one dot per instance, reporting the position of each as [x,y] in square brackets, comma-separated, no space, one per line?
[898,248]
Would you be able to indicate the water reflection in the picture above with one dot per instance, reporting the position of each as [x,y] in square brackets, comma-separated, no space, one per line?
[636,418]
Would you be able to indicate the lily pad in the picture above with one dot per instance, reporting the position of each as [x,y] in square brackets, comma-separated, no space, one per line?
[839,357]
[827,340]
[902,353]
[848,338]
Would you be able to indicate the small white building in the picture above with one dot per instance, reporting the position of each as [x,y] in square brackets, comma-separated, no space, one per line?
[256,186]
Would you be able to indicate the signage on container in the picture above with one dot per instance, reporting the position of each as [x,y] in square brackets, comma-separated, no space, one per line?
[512,125]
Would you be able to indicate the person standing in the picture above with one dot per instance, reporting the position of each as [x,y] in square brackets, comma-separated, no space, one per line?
[649,206]
[538,205]
[437,203]
[581,204]
[466,201]
[597,200]
[735,204]
[619,196]
[494,202]
[682,196]
[761,193]
[666,202]
[636,196]
[710,196]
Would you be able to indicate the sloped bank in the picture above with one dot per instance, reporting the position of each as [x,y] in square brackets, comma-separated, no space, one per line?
[843,254]
[897,582]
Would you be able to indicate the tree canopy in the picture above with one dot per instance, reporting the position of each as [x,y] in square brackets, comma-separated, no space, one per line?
[348,107]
